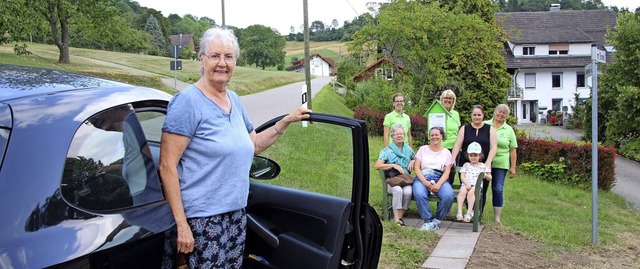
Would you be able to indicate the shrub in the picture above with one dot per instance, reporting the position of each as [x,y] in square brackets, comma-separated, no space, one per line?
[630,147]
[373,118]
[567,162]
[418,130]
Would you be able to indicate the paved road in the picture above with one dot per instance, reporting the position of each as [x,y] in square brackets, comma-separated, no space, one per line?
[627,181]
[266,105]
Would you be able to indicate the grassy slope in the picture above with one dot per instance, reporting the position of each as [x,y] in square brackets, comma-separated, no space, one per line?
[120,66]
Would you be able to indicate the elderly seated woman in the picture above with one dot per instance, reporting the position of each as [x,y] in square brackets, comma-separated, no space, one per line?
[398,156]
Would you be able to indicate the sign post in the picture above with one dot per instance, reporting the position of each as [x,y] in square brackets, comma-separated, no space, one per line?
[304,101]
[597,56]
[175,65]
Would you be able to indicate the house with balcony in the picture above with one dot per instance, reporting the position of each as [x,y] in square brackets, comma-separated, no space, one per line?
[546,54]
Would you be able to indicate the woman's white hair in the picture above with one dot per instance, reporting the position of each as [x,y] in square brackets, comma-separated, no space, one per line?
[394,128]
[222,34]
[502,107]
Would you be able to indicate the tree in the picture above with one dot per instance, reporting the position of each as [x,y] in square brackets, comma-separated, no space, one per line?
[334,24]
[316,26]
[439,49]
[262,46]
[619,85]
[157,42]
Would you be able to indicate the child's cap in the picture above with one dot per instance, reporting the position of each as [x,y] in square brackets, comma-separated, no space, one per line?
[474,148]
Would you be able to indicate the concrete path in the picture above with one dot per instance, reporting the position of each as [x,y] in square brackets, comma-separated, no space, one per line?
[455,247]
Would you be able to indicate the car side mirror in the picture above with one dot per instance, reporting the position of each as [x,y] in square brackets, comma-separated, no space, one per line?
[263,168]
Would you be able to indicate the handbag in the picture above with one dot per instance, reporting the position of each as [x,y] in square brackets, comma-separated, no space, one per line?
[391,173]
[400,180]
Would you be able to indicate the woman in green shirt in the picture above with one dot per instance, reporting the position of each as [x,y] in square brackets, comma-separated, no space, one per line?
[448,100]
[504,162]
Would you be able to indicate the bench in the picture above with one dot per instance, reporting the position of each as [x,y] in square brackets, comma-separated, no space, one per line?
[477,215]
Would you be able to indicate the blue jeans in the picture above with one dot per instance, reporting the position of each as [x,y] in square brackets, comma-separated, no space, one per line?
[421,196]
[497,187]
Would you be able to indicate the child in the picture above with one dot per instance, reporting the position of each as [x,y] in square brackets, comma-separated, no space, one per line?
[468,175]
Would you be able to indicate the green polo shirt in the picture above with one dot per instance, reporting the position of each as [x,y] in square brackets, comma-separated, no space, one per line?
[506,141]
[451,132]
[394,118]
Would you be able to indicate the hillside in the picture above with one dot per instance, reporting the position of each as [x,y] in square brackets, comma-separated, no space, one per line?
[146,70]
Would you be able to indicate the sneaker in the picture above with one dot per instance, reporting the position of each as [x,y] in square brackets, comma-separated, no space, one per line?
[428,226]
[436,222]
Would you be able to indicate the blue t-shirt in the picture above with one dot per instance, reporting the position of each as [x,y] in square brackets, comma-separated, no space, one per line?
[214,168]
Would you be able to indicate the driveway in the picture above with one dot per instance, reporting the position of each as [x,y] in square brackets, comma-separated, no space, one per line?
[627,185]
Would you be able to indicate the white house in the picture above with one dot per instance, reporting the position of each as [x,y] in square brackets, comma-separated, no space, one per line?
[319,66]
[546,55]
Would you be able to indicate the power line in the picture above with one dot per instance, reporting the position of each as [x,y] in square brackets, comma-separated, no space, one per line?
[354,10]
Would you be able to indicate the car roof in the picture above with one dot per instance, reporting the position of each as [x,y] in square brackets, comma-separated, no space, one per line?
[22,81]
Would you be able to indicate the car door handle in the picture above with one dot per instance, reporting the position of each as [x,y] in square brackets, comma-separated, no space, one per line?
[256,225]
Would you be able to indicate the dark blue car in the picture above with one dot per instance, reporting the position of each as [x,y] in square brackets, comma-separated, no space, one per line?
[79,186]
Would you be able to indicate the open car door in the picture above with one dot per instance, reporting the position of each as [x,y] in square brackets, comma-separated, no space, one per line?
[316,212]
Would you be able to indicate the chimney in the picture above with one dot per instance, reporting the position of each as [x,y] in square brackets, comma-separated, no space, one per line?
[554,8]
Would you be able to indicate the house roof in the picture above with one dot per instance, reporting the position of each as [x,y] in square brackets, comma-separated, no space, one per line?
[375,65]
[545,61]
[567,26]
[300,63]
[544,27]
[181,39]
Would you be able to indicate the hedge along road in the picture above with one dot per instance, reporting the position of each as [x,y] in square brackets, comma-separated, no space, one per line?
[627,185]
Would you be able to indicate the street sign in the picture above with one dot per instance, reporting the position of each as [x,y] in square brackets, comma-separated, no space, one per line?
[175,65]
[601,56]
[588,70]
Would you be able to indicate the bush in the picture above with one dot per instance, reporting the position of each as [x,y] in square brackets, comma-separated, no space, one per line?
[373,118]
[418,130]
[630,148]
[566,162]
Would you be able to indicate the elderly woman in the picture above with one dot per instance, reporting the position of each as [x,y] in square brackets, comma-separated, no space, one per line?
[207,147]
[434,162]
[448,100]
[397,116]
[397,156]
[503,162]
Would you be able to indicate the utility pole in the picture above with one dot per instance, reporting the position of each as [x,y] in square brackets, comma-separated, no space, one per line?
[307,64]
[223,14]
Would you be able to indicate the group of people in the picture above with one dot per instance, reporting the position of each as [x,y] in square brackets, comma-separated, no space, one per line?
[482,146]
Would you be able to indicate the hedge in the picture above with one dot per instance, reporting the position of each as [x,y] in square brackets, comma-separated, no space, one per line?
[568,162]
[375,118]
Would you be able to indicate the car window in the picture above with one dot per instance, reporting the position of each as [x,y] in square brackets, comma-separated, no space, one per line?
[316,158]
[151,122]
[109,164]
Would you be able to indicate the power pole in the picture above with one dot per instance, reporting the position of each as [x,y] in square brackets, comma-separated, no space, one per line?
[223,14]
[307,64]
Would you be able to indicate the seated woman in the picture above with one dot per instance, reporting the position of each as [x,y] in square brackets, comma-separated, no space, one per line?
[434,162]
[398,156]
